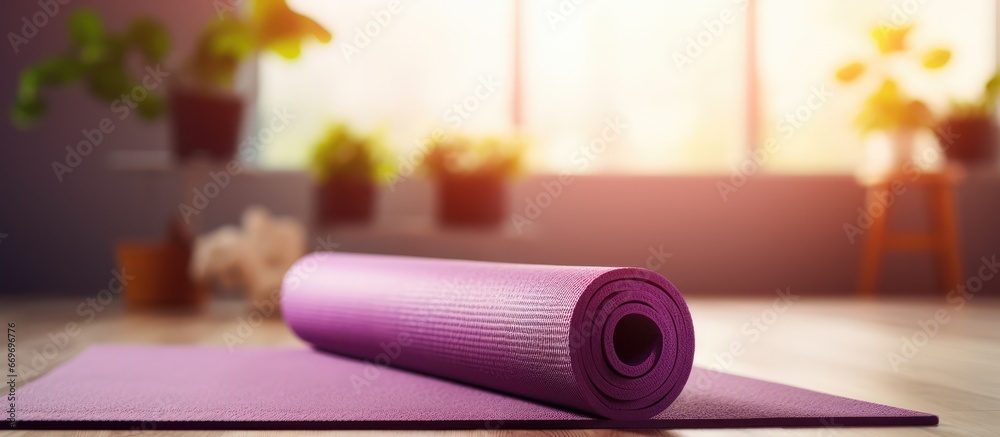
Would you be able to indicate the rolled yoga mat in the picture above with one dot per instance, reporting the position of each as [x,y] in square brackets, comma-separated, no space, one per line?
[488,345]
[613,342]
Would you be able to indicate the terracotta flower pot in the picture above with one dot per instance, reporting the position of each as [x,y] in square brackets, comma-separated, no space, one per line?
[205,124]
[345,200]
[159,276]
[968,140]
[471,200]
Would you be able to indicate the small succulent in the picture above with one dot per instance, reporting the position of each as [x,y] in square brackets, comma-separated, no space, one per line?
[343,153]
[496,156]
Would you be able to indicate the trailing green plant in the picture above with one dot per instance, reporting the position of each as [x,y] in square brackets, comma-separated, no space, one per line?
[343,153]
[97,58]
[228,41]
[493,156]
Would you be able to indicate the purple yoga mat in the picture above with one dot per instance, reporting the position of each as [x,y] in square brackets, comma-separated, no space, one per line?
[192,387]
[615,342]
[487,345]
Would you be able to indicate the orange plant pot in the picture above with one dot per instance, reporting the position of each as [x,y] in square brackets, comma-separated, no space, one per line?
[159,276]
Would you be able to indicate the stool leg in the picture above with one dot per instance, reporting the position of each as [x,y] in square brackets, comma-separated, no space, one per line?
[947,253]
[871,259]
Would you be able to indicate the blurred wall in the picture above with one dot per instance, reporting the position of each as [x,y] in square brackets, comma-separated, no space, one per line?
[774,232]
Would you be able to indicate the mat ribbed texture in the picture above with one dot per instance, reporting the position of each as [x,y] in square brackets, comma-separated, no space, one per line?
[615,342]
[190,387]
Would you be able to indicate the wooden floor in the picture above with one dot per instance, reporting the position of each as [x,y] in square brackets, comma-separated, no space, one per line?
[838,346]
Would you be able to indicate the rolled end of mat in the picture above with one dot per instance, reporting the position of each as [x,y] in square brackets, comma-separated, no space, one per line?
[631,344]
[614,342]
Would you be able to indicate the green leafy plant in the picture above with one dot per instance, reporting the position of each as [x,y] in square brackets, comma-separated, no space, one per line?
[889,107]
[97,58]
[982,107]
[230,40]
[495,156]
[343,153]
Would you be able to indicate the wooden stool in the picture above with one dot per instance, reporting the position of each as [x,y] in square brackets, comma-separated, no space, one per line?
[941,239]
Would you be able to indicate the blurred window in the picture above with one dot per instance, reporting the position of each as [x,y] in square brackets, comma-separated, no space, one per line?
[802,43]
[671,77]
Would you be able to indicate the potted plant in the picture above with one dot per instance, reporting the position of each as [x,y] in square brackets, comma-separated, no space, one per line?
[159,272]
[471,177]
[346,167]
[205,109]
[889,110]
[968,134]
[97,58]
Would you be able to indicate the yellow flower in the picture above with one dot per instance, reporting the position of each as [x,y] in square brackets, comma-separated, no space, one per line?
[891,39]
[937,58]
[850,72]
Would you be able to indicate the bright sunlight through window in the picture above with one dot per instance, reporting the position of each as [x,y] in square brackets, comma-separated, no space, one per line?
[682,80]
